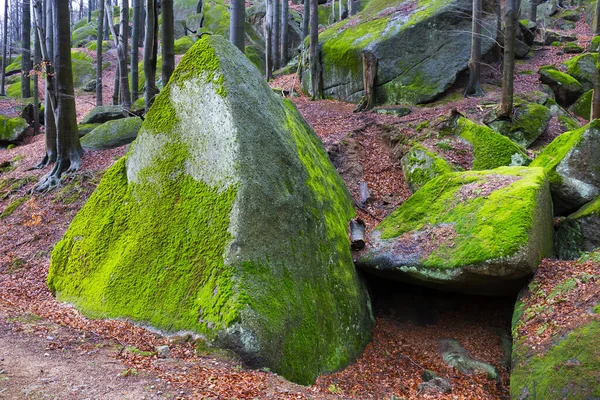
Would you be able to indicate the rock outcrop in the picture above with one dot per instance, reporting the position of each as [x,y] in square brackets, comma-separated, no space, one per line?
[111,134]
[12,129]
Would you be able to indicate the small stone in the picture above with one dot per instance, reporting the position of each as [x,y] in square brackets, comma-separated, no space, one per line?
[436,385]
[163,351]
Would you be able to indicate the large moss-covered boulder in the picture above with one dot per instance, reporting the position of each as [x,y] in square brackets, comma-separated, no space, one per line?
[583,106]
[556,334]
[573,167]
[83,68]
[420,47]
[582,68]
[85,34]
[566,88]
[101,114]
[420,166]
[12,129]
[579,232]
[225,218]
[529,122]
[565,120]
[490,149]
[476,232]
[111,134]
[183,44]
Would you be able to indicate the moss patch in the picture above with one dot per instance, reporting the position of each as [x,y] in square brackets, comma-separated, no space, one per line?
[83,68]
[420,166]
[12,206]
[183,44]
[583,106]
[592,207]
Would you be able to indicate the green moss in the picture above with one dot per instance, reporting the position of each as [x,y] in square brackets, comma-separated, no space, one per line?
[138,352]
[560,77]
[94,46]
[595,44]
[183,44]
[420,166]
[14,89]
[596,309]
[15,65]
[490,149]
[256,56]
[593,207]
[84,129]
[10,128]
[583,106]
[572,48]
[487,228]
[570,369]
[12,206]
[554,153]
[83,35]
[83,68]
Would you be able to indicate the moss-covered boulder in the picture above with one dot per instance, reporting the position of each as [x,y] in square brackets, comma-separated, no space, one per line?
[83,68]
[101,114]
[112,134]
[573,166]
[227,219]
[183,44]
[93,46]
[490,149]
[420,48]
[544,10]
[582,68]
[476,232]
[420,166]
[530,121]
[12,129]
[85,34]
[583,106]
[573,48]
[566,88]
[556,334]
[594,46]
[579,232]
[564,119]
[84,129]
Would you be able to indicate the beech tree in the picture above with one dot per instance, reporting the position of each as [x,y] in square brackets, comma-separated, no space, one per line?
[306,19]
[508,67]
[595,111]
[4,48]
[26,50]
[275,34]
[120,41]
[285,15]
[533,11]
[99,53]
[150,52]
[269,39]
[168,40]
[315,62]
[135,40]
[236,23]
[474,86]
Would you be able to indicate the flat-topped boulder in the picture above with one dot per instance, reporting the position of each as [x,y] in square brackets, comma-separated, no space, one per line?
[225,219]
[111,134]
[12,129]
[479,232]
[102,114]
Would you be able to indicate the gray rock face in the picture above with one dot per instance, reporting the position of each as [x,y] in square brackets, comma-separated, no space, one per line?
[419,48]
[112,134]
[579,232]
[474,232]
[420,166]
[12,129]
[566,88]
[102,114]
[530,121]
[225,219]
[573,165]
[583,68]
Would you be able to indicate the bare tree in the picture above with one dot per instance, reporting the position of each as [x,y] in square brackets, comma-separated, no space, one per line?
[269,39]
[120,41]
[99,54]
[135,40]
[474,86]
[4,48]
[284,31]
[533,11]
[352,8]
[168,40]
[315,62]
[595,111]
[26,50]
[36,68]
[275,34]
[150,52]
[306,19]
[596,21]
[508,67]
[236,23]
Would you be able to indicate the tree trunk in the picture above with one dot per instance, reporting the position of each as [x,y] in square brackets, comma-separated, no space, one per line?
[68,147]
[122,48]
[315,62]
[37,68]
[352,7]
[533,11]
[26,51]
[4,48]
[269,39]
[275,34]
[107,23]
[473,86]
[150,52]
[99,54]
[596,22]
[236,23]
[135,40]
[369,61]
[595,111]
[508,67]
[115,96]
[306,19]
[285,14]
[168,40]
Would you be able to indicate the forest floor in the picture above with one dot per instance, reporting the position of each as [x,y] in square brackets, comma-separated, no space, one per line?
[49,350]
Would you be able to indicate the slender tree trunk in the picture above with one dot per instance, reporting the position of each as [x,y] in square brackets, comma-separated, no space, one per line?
[135,40]
[26,52]
[473,86]
[168,40]
[315,62]
[37,60]
[4,49]
[285,15]
[369,61]
[508,67]
[150,52]
[123,42]
[89,11]
[340,7]
[533,11]
[99,54]
[595,111]
[269,39]
[306,19]
[107,23]
[236,23]
[276,34]
[596,22]
[352,8]
[116,91]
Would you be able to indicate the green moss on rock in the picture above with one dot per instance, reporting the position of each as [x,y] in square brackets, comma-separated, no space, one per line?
[566,88]
[490,149]
[112,134]
[530,121]
[81,36]
[582,68]
[420,166]
[183,44]
[583,106]
[12,129]
[83,68]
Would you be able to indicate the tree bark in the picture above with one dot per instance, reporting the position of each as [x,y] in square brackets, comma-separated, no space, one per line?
[315,62]
[124,92]
[99,54]
[236,23]
[26,51]
[533,11]
[352,7]
[595,111]
[508,67]
[285,14]
[474,86]
[37,69]
[168,40]
[4,48]
[150,52]
[269,39]
[275,34]
[369,61]
[596,22]
[306,19]
[135,40]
